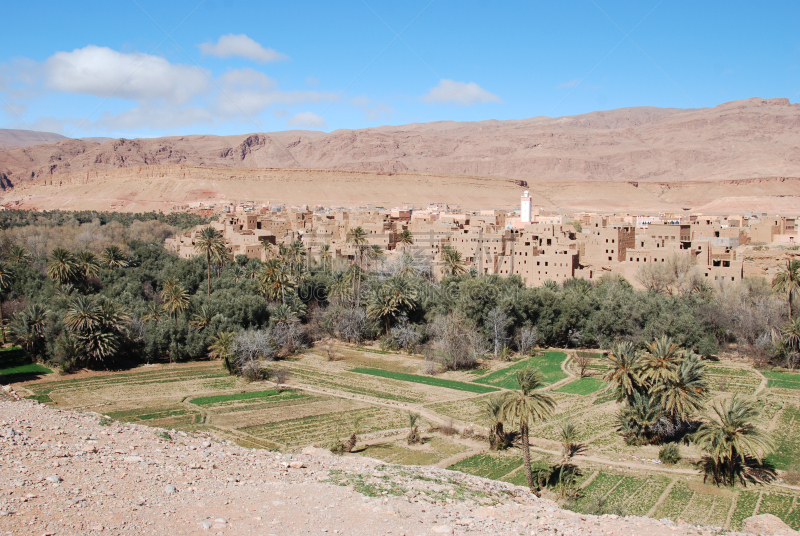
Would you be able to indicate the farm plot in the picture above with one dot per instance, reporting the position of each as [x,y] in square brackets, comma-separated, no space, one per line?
[583,386]
[494,466]
[16,366]
[778,504]
[782,380]
[471,410]
[591,423]
[161,417]
[708,508]
[434,450]
[634,495]
[745,507]
[733,379]
[321,429]
[426,380]
[676,502]
[787,453]
[548,364]
[367,385]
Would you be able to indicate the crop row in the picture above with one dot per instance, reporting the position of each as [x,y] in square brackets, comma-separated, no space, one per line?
[354,383]
[426,380]
[494,466]
[787,453]
[583,386]
[548,364]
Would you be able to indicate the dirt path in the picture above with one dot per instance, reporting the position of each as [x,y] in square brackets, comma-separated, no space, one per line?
[447,462]
[565,367]
[764,382]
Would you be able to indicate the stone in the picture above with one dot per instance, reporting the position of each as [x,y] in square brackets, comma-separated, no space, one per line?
[442,529]
[133,459]
[297,465]
[169,488]
[767,525]
[55,479]
[89,449]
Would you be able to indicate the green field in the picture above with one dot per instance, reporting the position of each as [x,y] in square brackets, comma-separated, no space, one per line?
[494,466]
[582,386]
[426,380]
[548,364]
[782,380]
[16,366]
[787,451]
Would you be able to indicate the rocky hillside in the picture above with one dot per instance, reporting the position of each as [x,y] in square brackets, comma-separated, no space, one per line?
[66,473]
[747,139]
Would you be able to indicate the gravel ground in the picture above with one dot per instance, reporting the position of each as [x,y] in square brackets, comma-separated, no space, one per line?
[65,473]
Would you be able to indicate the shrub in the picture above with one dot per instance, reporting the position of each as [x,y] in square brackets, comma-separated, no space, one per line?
[669,454]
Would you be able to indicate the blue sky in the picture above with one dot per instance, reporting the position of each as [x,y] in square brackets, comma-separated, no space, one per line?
[150,68]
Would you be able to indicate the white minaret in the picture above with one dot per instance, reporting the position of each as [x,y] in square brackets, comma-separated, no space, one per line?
[525,207]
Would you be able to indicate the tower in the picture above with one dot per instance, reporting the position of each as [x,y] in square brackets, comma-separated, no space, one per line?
[525,207]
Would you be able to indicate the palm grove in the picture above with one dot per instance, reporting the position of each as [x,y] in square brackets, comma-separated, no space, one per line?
[98,290]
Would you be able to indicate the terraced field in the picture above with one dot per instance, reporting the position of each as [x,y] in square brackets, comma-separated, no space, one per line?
[324,398]
[549,364]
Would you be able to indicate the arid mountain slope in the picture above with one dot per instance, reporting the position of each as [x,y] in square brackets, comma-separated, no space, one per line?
[11,139]
[737,140]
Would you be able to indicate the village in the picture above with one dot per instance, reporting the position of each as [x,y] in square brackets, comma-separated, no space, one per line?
[530,242]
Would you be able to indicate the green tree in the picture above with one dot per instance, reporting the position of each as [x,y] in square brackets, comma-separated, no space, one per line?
[175,297]
[27,329]
[525,407]
[114,257]
[393,298]
[62,266]
[623,371]
[276,279]
[660,364]
[222,347]
[732,441]
[685,394]
[452,262]
[19,255]
[788,281]
[210,242]
[6,275]
[358,238]
[405,239]
[325,256]
[494,412]
[99,327]
[637,420]
[87,265]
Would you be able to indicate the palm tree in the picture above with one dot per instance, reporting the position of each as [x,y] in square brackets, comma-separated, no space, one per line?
[99,327]
[376,255]
[731,440]
[494,411]
[405,239]
[210,243]
[568,434]
[358,237]
[113,257]
[82,315]
[526,407]
[791,334]
[622,372]
[453,263]
[19,255]
[684,395]
[296,252]
[638,419]
[87,264]
[27,328]
[153,312]
[393,298]
[325,255]
[62,266]
[222,347]
[202,318]
[788,281]
[175,297]
[276,278]
[660,365]
[414,436]
[6,274]
[355,427]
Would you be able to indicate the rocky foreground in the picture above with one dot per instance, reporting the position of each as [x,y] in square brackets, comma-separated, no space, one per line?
[64,473]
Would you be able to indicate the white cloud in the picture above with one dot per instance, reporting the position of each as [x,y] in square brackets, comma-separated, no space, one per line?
[373,111]
[248,91]
[241,46]
[464,93]
[306,120]
[311,81]
[154,117]
[103,72]
[571,83]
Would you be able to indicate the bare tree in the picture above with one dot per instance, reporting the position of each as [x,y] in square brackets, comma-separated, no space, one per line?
[280,376]
[527,338]
[351,324]
[497,322]
[581,361]
[455,343]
